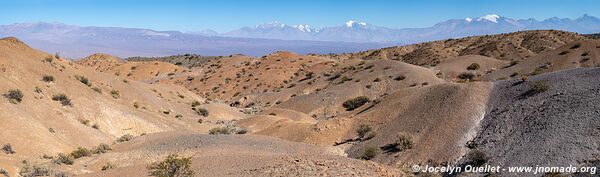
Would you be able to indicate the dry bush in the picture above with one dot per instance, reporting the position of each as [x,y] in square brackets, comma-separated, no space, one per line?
[172,166]
[354,103]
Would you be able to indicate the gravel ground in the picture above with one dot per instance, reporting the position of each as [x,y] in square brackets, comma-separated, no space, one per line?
[557,127]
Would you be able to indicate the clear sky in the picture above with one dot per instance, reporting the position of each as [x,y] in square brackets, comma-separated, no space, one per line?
[225,15]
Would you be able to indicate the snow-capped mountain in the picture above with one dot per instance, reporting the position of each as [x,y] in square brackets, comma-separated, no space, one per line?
[358,31]
[77,41]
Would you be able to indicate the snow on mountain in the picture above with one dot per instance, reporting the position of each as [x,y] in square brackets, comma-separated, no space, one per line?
[492,18]
[358,31]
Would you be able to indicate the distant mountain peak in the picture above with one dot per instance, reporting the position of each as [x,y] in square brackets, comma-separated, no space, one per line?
[490,17]
[352,23]
[305,28]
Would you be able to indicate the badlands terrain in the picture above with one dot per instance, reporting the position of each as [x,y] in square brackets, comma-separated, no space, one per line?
[518,99]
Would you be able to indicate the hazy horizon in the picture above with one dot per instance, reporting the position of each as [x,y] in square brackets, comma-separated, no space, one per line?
[224,16]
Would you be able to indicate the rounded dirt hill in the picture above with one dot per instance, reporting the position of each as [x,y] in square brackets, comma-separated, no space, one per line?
[230,155]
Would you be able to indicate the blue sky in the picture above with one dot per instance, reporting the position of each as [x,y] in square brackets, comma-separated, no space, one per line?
[226,15]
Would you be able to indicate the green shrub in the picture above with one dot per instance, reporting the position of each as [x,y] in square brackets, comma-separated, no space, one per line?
[64,159]
[125,137]
[14,96]
[63,99]
[473,66]
[48,78]
[172,166]
[81,152]
[202,112]
[354,103]
[369,153]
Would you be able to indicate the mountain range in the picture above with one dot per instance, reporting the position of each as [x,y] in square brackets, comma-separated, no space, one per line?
[357,31]
[79,41]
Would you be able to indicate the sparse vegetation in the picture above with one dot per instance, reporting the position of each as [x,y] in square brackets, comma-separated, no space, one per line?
[83,80]
[124,138]
[8,149]
[63,99]
[81,152]
[403,142]
[473,66]
[201,111]
[539,87]
[563,52]
[14,96]
[101,149]
[64,159]
[97,89]
[31,171]
[108,166]
[354,103]
[4,172]
[172,166]
[369,153]
[221,130]
[115,94]
[400,77]
[575,46]
[48,78]
[466,76]
[476,158]
[365,132]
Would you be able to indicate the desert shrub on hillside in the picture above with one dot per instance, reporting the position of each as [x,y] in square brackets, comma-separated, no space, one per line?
[31,171]
[4,172]
[8,149]
[63,99]
[563,52]
[364,132]
[476,158]
[81,152]
[97,89]
[473,66]
[108,166]
[403,142]
[354,103]
[369,153]
[115,94]
[539,87]
[48,78]
[195,103]
[576,45]
[334,76]
[125,137]
[400,77]
[202,112]
[66,159]
[221,131]
[14,96]
[172,166]
[101,149]
[83,80]
[466,76]
[376,80]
